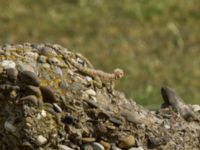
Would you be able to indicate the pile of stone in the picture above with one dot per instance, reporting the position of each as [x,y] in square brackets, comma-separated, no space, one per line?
[46,103]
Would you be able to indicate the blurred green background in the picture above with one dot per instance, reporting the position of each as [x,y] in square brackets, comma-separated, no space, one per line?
[155,42]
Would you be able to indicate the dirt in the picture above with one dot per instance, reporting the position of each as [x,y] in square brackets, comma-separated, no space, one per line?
[46,103]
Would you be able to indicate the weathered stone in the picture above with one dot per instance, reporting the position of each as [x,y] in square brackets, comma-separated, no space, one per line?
[127,141]
[48,94]
[98,146]
[41,140]
[29,78]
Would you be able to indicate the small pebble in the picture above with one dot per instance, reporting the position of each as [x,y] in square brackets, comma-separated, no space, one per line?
[44,113]
[42,59]
[32,55]
[127,142]
[57,107]
[88,139]
[9,127]
[114,147]
[64,147]
[91,92]
[58,71]
[97,146]
[106,145]
[48,94]
[196,108]
[41,140]
[7,64]
[88,147]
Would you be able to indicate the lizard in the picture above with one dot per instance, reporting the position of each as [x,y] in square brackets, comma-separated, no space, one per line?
[101,78]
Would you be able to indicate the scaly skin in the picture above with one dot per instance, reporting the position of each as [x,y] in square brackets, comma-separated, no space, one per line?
[100,78]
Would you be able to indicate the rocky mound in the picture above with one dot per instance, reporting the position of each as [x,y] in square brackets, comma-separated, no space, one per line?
[53,99]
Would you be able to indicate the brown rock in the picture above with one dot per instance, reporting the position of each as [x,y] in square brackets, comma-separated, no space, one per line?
[127,142]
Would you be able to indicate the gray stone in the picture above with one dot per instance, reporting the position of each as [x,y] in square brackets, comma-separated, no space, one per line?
[42,59]
[97,146]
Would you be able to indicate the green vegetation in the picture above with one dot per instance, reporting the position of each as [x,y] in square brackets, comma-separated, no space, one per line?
[156,42]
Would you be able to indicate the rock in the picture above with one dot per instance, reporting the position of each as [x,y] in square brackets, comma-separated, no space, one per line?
[42,59]
[127,142]
[9,127]
[32,55]
[114,147]
[58,71]
[105,144]
[33,90]
[7,64]
[48,94]
[12,73]
[116,120]
[196,108]
[64,147]
[88,147]
[88,139]
[57,107]
[31,99]
[131,116]
[29,78]
[97,146]
[47,51]
[22,66]
[91,92]
[41,140]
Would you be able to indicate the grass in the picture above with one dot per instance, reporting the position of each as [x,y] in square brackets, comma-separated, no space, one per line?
[156,42]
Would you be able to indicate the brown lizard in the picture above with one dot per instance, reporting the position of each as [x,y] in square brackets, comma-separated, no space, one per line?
[100,78]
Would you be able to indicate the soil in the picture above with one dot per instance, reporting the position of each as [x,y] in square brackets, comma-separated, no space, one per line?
[46,103]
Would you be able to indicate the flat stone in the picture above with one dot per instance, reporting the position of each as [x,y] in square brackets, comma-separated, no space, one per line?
[88,139]
[131,116]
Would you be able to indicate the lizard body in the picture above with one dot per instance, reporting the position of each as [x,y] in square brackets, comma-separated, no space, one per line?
[100,78]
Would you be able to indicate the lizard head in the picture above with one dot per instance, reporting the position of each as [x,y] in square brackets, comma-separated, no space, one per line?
[119,73]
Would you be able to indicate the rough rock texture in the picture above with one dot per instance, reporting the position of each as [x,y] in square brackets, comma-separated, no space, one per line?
[47,103]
